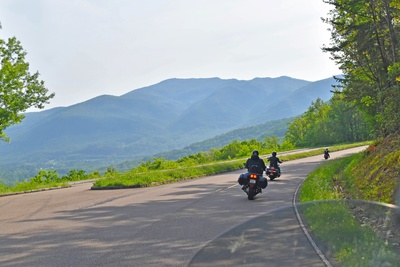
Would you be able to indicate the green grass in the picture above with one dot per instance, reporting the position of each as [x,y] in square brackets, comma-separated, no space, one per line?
[149,178]
[350,243]
[351,238]
[324,183]
[26,187]
[46,180]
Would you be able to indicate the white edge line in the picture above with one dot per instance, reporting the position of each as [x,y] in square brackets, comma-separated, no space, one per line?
[316,248]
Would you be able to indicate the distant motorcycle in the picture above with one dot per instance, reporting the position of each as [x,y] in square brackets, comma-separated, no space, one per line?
[272,172]
[326,155]
[252,183]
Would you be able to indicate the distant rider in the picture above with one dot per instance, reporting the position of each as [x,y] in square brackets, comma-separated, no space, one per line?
[273,162]
[326,152]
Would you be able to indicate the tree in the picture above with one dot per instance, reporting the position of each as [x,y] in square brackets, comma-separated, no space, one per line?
[19,90]
[346,122]
[329,123]
[365,45]
[309,128]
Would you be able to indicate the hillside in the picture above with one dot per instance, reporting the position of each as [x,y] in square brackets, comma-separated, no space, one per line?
[172,114]
[377,175]
[259,132]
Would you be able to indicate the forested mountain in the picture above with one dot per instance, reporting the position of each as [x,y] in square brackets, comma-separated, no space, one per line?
[258,132]
[170,115]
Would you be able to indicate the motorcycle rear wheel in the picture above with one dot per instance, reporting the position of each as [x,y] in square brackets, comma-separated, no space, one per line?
[252,192]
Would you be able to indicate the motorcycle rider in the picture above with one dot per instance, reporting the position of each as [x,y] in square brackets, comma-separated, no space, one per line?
[253,164]
[255,160]
[326,152]
[273,162]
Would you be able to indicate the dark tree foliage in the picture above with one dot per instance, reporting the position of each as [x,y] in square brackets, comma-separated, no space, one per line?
[365,45]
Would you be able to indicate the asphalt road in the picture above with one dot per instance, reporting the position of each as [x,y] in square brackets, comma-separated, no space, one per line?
[158,226]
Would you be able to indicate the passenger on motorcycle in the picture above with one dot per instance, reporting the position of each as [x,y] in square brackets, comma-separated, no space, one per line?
[273,162]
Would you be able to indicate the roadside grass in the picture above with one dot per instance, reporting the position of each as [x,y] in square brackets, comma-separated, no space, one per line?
[376,176]
[46,179]
[149,178]
[350,243]
[353,237]
[324,183]
[372,175]
[26,187]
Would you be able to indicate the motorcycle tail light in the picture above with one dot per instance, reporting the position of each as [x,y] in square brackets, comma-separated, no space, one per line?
[253,176]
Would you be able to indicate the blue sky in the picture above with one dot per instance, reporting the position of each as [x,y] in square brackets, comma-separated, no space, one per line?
[86,48]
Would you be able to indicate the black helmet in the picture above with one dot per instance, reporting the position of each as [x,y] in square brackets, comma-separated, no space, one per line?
[255,152]
[274,153]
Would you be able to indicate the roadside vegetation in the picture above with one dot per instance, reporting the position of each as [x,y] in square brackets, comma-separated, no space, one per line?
[47,179]
[160,171]
[364,44]
[349,239]
[372,175]
[357,236]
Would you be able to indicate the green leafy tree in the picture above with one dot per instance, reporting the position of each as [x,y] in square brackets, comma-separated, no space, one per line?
[346,122]
[75,175]
[112,171]
[365,37]
[271,143]
[329,123]
[19,90]
[45,176]
[309,128]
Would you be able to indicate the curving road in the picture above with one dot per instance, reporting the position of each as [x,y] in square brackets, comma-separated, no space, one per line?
[158,226]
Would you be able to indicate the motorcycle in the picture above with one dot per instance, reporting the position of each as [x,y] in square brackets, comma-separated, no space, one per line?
[252,184]
[272,172]
[326,155]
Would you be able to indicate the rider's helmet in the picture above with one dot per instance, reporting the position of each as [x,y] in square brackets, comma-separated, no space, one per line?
[274,154]
[255,152]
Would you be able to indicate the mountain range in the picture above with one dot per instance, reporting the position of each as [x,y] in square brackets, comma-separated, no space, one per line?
[170,115]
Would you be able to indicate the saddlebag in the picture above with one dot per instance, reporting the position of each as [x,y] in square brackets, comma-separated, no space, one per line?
[262,182]
[243,179]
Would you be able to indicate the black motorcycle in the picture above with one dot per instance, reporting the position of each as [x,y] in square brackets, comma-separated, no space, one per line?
[326,155]
[252,183]
[272,172]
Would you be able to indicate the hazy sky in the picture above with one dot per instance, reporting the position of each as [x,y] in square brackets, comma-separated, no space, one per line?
[86,48]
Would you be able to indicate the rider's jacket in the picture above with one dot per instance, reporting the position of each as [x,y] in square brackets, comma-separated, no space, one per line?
[273,161]
[255,160]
